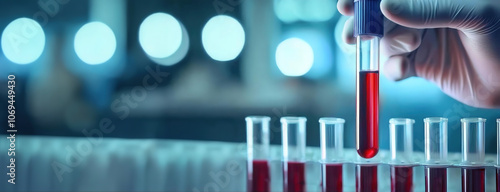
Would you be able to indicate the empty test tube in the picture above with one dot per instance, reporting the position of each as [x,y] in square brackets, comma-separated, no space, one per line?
[473,154]
[401,147]
[436,154]
[258,176]
[332,153]
[294,153]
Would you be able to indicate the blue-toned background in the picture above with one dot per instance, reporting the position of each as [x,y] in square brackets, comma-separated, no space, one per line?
[201,98]
[205,93]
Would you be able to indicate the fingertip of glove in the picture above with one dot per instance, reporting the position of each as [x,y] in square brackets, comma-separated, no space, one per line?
[396,68]
[346,7]
[391,9]
[348,32]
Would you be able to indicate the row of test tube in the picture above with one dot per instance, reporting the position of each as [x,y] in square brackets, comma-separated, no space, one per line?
[401,160]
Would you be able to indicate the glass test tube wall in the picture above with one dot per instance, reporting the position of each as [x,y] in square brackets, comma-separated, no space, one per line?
[258,173]
[294,149]
[473,154]
[436,154]
[368,29]
[332,153]
[401,147]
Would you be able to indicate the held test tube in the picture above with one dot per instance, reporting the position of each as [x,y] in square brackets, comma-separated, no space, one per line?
[436,154]
[332,153]
[473,154]
[368,29]
[401,147]
[258,176]
[294,153]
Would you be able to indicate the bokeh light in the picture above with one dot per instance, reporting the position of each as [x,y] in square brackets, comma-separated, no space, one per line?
[23,41]
[294,57]
[289,11]
[322,49]
[223,38]
[178,55]
[160,35]
[95,43]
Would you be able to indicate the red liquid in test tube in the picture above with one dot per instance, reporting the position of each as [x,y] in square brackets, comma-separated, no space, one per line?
[331,177]
[473,180]
[368,30]
[366,178]
[294,177]
[368,117]
[435,179]
[402,159]
[260,180]
[401,179]
[258,175]
[332,153]
[498,179]
[436,154]
[473,152]
[293,148]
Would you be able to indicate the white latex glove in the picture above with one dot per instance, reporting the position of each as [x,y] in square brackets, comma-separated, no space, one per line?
[453,43]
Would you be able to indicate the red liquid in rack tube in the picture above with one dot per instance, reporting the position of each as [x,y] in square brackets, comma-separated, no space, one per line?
[401,179]
[260,179]
[294,178]
[366,178]
[368,109]
[435,179]
[472,180]
[498,179]
[331,177]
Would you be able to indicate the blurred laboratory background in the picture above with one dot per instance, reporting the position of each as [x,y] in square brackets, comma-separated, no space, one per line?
[193,69]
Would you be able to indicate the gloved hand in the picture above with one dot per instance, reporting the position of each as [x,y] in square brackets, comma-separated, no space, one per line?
[453,43]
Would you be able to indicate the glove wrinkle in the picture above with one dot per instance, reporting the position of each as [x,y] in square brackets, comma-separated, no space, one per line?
[463,78]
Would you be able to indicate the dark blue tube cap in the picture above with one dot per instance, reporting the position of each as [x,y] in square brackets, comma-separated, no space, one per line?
[368,19]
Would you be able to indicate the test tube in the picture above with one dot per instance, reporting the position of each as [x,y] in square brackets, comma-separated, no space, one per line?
[368,29]
[258,177]
[401,146]
[473,154]
[332,153]
[436,153]
[366,178]
[366,174]
[498,155]
[294,153]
